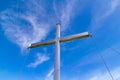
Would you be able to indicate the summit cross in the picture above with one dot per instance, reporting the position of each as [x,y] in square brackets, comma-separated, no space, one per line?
[57,42]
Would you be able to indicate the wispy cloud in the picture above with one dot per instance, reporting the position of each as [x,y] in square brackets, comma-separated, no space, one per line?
[29,22]
[50,75]
[108,54]
[97,75]
[65,12]
[40,58]
[21,34]
[111,8]
[26,25]
[106,8]
[105,75]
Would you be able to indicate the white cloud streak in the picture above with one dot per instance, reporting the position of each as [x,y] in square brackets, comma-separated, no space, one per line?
[24,28]
[97,75]
[113,5]
[40,58]
[30,23]
[20,35]
[50,75]
[106,8]
[106,76]
[65,12]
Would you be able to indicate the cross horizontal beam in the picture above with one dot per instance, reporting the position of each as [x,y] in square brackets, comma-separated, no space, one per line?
[65,39]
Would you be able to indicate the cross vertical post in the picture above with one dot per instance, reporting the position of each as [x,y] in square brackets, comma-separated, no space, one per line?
[57,54]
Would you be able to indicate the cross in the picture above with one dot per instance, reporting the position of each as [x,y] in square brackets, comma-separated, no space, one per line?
[57,42]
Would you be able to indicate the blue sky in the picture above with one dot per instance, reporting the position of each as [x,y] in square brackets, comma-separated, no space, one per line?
[24,22]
